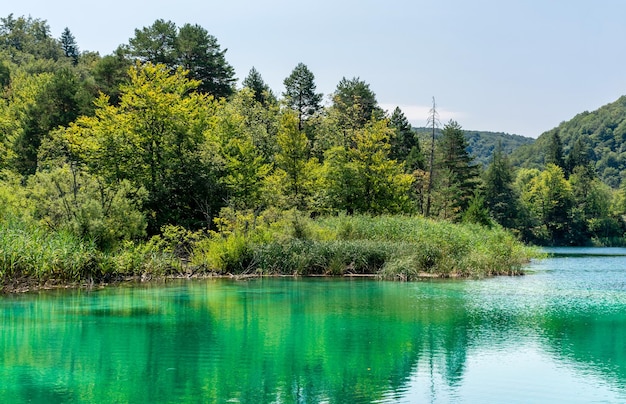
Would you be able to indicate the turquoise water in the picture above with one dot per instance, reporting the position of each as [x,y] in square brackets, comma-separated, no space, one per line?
[557,334]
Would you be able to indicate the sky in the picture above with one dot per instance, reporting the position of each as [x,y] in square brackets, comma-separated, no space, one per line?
[514,66]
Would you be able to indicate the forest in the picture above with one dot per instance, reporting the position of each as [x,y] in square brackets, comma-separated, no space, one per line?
[153,158]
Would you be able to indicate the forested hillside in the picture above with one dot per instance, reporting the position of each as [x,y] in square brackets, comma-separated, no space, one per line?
[600,134]
[482,144]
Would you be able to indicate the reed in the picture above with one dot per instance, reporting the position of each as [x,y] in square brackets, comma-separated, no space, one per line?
[393,247]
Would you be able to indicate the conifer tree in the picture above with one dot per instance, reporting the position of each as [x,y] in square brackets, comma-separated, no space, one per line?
[500,196]
[69,46]
[453,156]
[405,146]
[262,92]
[300,93]
[554,151]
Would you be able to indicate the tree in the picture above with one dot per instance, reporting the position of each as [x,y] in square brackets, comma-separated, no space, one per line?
[69,46]
[300,93]
[154,139]
[554,151]
[355,103]
[24,38]
[199,52]
[238,142]
[578,157]
[433,122]
[190,47]
[156,43]
[362,178]
[500,196]
[61,100]
[550,199]
[405,145]
[67,198]
[262,92]
[453,156]
[293,160]
[110,72]
[477,211]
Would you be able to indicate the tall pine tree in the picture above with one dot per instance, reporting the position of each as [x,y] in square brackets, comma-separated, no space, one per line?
[69,46]
[300,93]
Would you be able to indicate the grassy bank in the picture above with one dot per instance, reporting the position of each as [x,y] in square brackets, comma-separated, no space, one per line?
[391,247]
[32,256]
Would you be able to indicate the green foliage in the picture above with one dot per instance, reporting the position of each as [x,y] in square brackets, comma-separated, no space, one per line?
[300,93]
[355,103]
[548,196]
[69,46]
[362,178]
[28,251]
[390,246]
[456,177]
[262,92]
[293,160]
[26,39]
[405,145]
[152,140]
[501,198]
[70,200]
[192,48]
[554,151]
[602,133]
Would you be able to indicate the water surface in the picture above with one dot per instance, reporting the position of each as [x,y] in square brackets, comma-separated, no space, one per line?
[555,335]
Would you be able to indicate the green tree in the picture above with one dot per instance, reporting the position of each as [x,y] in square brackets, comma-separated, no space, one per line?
[300,93]
[69,46]
[200,53]
[153,139]
[554,151]
[156,43]
[190,47]
[243,165]
[262,92]
[27,38]
[110,72]
[500,195]
[293,160]
[477,211]
[405,146]
[67,198]
[5,75]
[355,103]
[453,156]
[362,178]
[60,102]
[578,157]
[550,199]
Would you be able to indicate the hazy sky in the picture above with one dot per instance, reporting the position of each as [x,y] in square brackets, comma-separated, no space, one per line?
[515,66]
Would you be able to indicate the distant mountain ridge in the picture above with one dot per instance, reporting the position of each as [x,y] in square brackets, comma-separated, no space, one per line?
[603,131]
[481,144]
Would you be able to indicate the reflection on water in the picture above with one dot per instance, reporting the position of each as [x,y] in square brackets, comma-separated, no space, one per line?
[555,335]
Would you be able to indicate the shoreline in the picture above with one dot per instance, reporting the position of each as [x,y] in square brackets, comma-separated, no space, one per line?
[22,286]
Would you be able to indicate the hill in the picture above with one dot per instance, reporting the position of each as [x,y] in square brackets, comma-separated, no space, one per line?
[603,131]
[481,144]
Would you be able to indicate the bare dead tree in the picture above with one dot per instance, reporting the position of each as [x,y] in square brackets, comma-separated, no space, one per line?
[433,121]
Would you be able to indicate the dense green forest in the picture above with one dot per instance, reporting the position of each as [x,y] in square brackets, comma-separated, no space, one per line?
[153,157]
[599,135]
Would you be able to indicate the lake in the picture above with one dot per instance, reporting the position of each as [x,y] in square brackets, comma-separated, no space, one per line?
[557,334]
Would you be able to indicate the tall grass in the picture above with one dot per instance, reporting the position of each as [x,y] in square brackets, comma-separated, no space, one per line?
[394,247]
[30,253]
